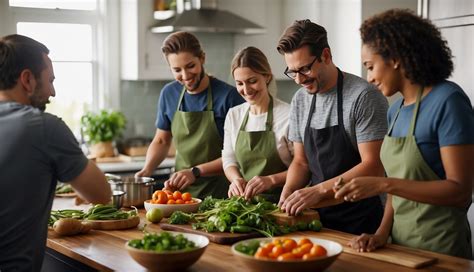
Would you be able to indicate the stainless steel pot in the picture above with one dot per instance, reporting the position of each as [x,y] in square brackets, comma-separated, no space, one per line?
[137,189]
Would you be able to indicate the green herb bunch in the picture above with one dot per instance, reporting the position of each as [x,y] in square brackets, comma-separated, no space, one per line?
[233,215]
[102,127]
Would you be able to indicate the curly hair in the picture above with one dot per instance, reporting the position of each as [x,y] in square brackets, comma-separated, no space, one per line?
[399,34]
[301,33]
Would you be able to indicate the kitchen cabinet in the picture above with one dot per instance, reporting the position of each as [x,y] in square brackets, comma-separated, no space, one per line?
[141,57]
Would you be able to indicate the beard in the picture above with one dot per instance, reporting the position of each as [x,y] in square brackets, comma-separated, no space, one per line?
[37,99]
[319,81]
[198,81]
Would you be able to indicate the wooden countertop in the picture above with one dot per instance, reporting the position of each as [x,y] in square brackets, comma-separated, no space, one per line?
[105,251]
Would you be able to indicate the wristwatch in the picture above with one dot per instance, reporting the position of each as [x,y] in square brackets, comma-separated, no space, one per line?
[196,172]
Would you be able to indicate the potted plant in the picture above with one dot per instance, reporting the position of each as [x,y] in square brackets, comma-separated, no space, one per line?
[100,130]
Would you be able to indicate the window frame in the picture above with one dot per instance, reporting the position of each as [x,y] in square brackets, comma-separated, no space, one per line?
[104,21]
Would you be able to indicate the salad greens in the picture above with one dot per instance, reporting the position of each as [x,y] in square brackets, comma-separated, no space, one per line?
[164,241]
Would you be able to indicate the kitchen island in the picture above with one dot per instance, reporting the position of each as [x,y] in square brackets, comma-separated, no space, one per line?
[105,251]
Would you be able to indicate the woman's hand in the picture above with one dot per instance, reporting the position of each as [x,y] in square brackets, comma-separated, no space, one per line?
[237,187]
[257,185]
[360,188]
[367,242]
[143,173]
[180,180]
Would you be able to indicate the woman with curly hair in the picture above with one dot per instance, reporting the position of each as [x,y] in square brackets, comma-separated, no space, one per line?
[428,152]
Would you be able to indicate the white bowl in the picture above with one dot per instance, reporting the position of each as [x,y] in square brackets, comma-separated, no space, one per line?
[170,260]
[168,209]
[317,264]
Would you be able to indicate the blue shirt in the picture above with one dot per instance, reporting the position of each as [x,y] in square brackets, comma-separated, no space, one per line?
[224,97]
[445,118]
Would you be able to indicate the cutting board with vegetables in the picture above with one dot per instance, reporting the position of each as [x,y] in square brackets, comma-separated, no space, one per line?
[114,224]
[216,237]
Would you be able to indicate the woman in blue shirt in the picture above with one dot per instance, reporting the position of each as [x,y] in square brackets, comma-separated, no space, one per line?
[428,152]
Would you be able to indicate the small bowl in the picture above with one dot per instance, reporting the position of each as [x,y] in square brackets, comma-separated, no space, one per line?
[318,264]
[170,260]
[117,198]
[168,209]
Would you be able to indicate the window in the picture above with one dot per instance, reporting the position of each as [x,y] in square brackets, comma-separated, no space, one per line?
[76,33]
[70,48]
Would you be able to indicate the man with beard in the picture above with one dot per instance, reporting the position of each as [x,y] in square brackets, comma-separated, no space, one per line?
[191,113]
[337,124]
[37,150]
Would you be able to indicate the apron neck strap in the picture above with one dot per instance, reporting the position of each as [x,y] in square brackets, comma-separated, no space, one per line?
[340,117]
[209,98]
[411,130]
[268,123]
[415,112]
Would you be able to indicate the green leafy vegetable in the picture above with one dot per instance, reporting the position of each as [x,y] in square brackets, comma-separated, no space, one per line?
[163,241]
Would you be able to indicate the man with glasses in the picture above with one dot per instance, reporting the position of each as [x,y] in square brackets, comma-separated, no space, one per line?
[337,124]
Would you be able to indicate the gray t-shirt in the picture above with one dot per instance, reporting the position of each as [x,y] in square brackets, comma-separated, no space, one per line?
[36,150]
[364,111]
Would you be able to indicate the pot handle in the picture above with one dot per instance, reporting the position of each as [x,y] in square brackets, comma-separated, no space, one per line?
[112,177]
[153,182]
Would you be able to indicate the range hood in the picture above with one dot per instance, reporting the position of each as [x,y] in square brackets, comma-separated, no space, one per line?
[203,16]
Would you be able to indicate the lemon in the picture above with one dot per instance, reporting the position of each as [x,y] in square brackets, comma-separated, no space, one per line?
[154,215]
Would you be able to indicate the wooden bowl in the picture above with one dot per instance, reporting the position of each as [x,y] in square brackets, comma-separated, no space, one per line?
[168,209]
[318,264]
[170,260]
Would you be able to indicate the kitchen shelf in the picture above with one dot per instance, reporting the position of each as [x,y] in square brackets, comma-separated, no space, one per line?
[163,14]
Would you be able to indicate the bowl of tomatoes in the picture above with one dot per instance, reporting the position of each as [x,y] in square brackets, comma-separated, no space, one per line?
[169,202]
[287,253]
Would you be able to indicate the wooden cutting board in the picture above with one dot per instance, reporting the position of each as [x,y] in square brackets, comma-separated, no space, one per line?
[216,237]
[115,224]
[285,219]
[390,253]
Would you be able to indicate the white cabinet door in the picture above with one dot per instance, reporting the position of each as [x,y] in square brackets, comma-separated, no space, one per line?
[141,57]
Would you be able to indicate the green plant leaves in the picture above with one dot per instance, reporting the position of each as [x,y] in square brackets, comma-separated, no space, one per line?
[103,126]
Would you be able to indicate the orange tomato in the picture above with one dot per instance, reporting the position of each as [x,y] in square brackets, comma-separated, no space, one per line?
[269,246]
[277,250]
[309,256]
[318,250]
[305,248]
[262,252]
[177,195]
[179,201]
[286,257]
[289,245]
[304,241]
[297,252]
[171,201]
[186,196]
[188,202]
[160,197]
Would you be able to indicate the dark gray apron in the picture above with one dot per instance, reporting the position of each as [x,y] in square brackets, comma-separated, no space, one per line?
[330,153]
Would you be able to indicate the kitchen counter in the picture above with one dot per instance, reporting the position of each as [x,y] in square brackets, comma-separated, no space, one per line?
[133,166]
[105,251]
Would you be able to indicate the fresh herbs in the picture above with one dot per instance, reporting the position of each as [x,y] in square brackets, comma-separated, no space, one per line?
[233,215]
[63,188]
[161,242]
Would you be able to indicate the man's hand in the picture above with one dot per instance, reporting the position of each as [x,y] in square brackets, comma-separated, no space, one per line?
[300,200]
[360,188]
[237,187]
[180,180]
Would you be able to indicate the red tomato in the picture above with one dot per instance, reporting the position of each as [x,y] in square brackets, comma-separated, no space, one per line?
[318,250]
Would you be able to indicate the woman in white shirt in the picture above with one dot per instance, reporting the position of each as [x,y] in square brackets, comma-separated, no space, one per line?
[256,152]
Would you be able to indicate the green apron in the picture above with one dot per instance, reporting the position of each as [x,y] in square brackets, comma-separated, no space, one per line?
[436,228]
[197,141]
[257,154]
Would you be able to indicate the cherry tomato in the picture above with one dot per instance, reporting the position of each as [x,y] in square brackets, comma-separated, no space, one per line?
[304,241]
[160,197]
[309,256]
[289,245]
[318,250]
[171,201]
[286,257]
[186,196]
[177,195]
[179,201]
[277,250]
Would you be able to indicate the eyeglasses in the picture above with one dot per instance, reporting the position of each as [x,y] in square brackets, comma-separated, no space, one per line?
[305,70]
